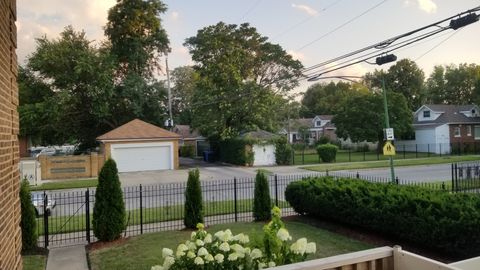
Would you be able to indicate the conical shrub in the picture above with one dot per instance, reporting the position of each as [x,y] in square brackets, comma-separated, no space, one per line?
[109,210]
[28,221]
[262,203]
[193,200]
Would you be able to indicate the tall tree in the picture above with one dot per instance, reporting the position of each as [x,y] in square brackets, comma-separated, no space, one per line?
[184,81]
[361,117]
[136,35]
[404,77]
[240,75]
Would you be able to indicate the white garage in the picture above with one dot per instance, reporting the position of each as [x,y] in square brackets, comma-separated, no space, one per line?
[262,146]
[140,146]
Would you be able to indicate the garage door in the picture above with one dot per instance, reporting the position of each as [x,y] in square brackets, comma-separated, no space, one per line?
[142,157]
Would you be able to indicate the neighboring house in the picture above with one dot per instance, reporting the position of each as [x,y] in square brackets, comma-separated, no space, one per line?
[440,127]
[140,146]
[320,125]
[264,150]
[192,137]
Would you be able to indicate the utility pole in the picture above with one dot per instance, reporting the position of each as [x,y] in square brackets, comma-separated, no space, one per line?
[169,123]
[387,125]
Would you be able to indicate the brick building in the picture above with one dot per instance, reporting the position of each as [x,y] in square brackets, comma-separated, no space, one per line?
[10,234]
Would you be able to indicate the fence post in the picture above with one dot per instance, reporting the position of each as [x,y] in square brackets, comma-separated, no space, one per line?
[141,210]
[428,149]
[45,219]
[276,190]
[235,197]
[364,151]
[293,157]
[396,180]
[358,175]
[440,149]
[87,214]
[404,151]
[349,155]
[303,154]
[459,148]
[416,150]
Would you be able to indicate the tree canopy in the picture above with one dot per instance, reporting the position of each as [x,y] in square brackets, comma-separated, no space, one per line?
[242,77]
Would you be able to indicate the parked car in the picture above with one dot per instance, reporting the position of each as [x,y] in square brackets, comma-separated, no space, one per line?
[37,200]
[47,152]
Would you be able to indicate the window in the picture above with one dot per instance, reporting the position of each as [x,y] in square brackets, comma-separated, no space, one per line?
[318,123]
[473,111]
[456,132]
[476,132]
[469,130]
[294,137]
[426,114]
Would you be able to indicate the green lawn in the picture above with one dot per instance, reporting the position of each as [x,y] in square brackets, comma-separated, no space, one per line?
[34,262]
[66,184]
[146,250]
[64,224]
[385,163]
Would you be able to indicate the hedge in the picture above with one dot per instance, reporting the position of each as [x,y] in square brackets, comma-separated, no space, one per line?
[187,150]
[327,152]
[235,151]
[434,219]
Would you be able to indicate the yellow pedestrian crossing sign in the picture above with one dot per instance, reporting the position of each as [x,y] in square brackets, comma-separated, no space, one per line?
[388,149]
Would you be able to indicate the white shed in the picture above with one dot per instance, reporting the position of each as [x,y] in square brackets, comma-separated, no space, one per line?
[264,149]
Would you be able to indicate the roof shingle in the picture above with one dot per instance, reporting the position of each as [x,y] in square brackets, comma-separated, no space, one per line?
[138,129]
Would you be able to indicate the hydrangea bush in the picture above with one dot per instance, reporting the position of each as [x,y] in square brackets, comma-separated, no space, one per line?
[223,250]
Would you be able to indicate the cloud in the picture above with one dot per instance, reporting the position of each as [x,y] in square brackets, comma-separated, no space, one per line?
[427,6]
[296,55]
[304,8]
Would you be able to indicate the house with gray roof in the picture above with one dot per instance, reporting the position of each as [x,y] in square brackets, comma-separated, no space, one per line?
[320,125]
[441,127]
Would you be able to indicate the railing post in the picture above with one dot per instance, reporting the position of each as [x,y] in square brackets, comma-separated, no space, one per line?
[293,157]
[87,215]
[235,197]
[276,190]
[428,149]
[440,149]
[141,210]
[416,150]
[45,219]
[349,155]
[404,151]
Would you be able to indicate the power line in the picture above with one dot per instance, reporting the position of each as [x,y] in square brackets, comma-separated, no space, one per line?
[341,26]
[249,10]
[440,43]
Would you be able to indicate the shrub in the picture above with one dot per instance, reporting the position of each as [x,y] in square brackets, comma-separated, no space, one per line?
[236,151]
[193,200]
[283,152]
[109,209]
[223,250]
[327,152]
[261,201]
[433,219]
[28,221]
[187,150]
[323,140]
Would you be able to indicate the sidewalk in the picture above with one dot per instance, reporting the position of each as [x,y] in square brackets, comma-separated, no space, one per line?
[68,258]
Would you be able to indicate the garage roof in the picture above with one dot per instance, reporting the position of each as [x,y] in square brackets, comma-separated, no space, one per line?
[138,130]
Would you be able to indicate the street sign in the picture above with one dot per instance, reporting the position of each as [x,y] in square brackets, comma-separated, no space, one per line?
[389,134]
[388,149]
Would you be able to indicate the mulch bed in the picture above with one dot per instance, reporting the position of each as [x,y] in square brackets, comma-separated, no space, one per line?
[373,238]
[99,245]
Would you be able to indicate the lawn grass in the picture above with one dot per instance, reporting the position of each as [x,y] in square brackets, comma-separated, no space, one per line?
[66,224]
[66,184]
[385,163]
[34,262]
[142,252]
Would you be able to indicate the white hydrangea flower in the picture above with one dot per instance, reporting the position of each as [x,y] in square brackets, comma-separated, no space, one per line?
[157,267]
[233,256]
[180,253]
[242,238]
[256,253]
[224,247]
[219,234]
[283,235]
[311,248]
[227,236]
[262,265]
[247,251]
[169,261]
[199,243]
[191,246]
[166,252]
[198,261]
[299,247]
[191,255]
[271,264]
[193,235]
[202,252]
[209,258]
[182,247]
[208,239]
[219,258]
[237,248]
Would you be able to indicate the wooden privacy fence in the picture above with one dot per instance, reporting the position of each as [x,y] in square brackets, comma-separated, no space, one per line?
[65,167]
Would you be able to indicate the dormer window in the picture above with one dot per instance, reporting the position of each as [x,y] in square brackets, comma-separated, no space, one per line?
[426,114]
[318,123]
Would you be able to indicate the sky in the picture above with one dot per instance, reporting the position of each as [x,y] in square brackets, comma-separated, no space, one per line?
[311,31]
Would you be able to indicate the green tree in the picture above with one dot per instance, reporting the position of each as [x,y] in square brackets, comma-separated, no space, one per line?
[136,35]
[262,204]
[109,209]
[28,221]
[435,87]
[241,75]
[404,77]
[184,85]
[193,200]
[361,117]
